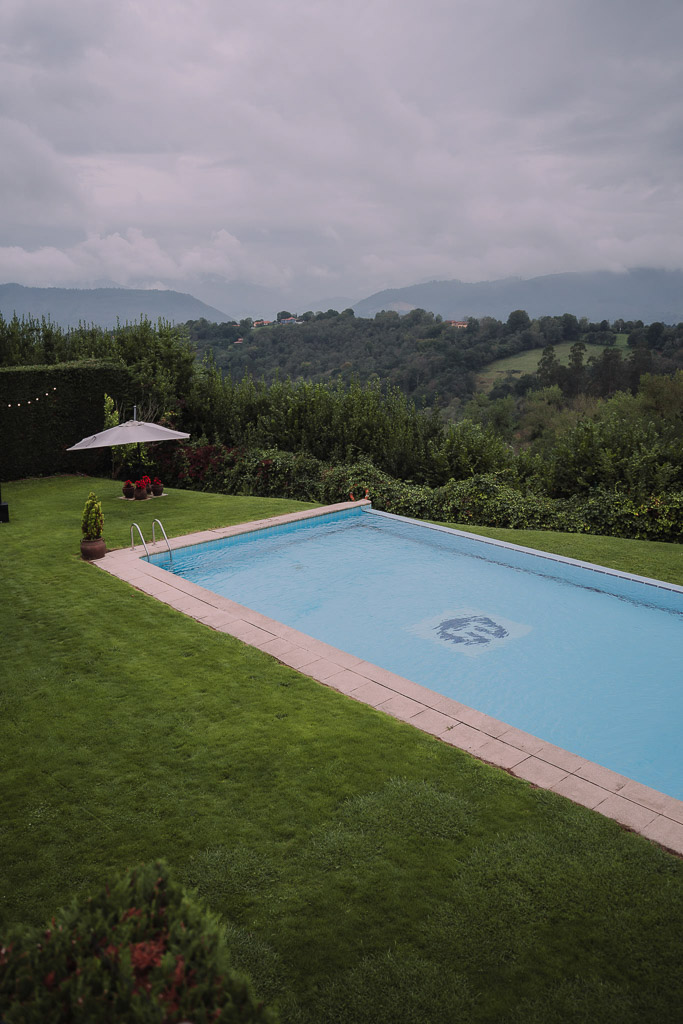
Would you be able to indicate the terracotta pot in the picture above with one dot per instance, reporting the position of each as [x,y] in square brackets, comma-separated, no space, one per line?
[140,493]
[92,549]
[129,492]
[157,490]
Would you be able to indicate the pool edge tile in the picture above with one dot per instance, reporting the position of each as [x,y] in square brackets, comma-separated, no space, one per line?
[433,722]
[403,708]
[502,755]
[579,791]
[539,773]
[627,813]
[666,832]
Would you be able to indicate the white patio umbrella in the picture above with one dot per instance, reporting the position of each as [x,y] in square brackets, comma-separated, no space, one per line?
[131,432]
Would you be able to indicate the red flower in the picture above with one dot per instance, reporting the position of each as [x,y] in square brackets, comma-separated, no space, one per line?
[144,955]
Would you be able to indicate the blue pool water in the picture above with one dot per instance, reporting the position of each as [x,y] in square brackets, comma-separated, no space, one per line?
[588,660]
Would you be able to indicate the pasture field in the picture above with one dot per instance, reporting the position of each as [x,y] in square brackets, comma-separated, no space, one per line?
[527,362]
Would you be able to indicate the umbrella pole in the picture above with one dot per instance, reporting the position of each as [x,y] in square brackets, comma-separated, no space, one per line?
[140,466]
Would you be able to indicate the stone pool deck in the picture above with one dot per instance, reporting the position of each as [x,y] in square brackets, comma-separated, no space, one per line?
[637,807]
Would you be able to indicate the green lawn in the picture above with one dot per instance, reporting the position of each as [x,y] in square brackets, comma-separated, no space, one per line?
[527,362]
[366,873]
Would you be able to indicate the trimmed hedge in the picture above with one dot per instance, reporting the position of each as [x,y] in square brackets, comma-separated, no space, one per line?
[35,435]
[483,499]
[139,951]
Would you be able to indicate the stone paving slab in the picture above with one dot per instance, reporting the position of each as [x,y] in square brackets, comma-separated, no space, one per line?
[247,633]
[432,721]
[626,812]
[346,681]
[297,657]
[465,737]
[401,707]
[522,740]
[538,772]
[665,832]
[216,617]
[559,757]
[651,799]
[322,670]
[654,815]
[277,647]
[603,777]
[340,658]
[370,693]
[500,754]
[579,790]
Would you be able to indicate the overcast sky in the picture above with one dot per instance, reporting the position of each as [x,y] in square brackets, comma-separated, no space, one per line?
[337,148]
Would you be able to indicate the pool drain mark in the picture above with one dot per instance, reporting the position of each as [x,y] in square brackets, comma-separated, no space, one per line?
[470,629]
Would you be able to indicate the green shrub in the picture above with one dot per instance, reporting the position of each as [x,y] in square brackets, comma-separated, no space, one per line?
[659,517]
[92,523]
[271,472]
[140,950]
[485,499]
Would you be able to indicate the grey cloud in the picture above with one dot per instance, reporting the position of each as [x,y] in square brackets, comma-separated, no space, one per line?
[358,148]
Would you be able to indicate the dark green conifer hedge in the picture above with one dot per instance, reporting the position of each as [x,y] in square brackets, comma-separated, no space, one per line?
[46,409]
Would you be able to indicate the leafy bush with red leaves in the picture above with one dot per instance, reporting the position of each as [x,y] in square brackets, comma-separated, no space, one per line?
[140,950]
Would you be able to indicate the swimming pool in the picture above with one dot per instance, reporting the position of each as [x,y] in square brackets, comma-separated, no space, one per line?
[588,659]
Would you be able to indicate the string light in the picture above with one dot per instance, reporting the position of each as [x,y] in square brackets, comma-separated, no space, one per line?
[48,394]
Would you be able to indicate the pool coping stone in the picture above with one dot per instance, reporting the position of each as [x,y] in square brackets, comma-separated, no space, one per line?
[654,815]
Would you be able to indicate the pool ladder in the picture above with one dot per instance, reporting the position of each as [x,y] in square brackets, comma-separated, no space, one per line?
[134,526]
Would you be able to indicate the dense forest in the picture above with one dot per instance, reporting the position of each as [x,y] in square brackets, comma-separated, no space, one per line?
[429,359]
[594,445]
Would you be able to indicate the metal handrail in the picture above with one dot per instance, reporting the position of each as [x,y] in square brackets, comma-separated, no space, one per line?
[161,525]
[132,546]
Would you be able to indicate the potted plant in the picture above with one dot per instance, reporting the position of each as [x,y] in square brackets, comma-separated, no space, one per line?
[129,489]
[93,544]
[140,493]
[148,483]
[157,487]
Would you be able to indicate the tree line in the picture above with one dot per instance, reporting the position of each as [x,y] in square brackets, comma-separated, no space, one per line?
[559,439]
[427,358]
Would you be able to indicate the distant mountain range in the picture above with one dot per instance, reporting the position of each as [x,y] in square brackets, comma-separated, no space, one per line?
[68,306]
[244,298]
[640,294]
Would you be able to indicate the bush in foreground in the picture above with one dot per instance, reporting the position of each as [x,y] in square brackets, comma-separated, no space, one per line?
[140,950]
